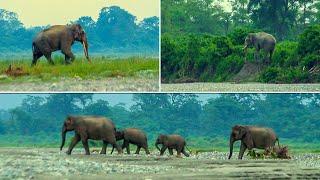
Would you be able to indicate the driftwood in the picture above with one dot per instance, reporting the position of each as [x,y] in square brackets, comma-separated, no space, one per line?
[15,71]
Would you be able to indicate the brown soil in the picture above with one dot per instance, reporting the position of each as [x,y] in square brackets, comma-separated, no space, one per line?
[249,71]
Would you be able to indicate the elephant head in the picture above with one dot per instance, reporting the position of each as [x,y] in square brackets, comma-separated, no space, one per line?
[119,135]
[160,140]
[68,125]
[240,133]
[80,35]
[249,41]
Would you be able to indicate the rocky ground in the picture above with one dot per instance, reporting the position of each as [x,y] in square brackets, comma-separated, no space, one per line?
[241,87]
[134,84]
[44,163]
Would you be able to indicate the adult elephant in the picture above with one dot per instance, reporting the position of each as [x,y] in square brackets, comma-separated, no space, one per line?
[252,137]
[59,37]
[89,127]
[260,40]
[171,142]
[132,136]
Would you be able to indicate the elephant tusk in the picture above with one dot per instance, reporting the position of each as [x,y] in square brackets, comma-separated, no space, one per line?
[85,52]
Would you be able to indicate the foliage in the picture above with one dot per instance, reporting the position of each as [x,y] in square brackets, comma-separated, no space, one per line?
[115,30]
[205,124]
[202,41]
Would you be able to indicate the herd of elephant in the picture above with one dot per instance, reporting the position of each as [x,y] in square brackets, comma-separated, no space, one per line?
[62,37]
[101,128]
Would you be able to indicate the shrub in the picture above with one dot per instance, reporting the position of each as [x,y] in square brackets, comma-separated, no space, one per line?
[285,54]
[309,41]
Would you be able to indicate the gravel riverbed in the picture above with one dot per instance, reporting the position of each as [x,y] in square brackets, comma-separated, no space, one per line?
[241,87]
[46,163]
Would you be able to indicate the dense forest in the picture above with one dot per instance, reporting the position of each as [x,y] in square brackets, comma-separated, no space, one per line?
[202,40]
[116,31]
[205,123]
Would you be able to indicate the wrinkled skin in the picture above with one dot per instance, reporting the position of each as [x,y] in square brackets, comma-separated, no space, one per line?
[89,127]
[59,37]
[132,136]
[171,142]
[252,137]
[260,40]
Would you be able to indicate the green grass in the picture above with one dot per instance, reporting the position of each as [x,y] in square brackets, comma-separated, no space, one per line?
[100,68]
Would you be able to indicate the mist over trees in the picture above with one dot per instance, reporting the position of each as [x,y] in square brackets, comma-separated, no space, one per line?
[203,41]
[115,31]
[292,116]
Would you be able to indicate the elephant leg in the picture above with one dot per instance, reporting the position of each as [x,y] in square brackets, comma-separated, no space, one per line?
[242,150]
[170,151]
[104,147]
[138,150]
[178,152]
[184,152]
[74,142]
[48,56]
[127,146]
[85,145]
[67,52]
[162,150]
[256,55]
[113,142]
[36,56]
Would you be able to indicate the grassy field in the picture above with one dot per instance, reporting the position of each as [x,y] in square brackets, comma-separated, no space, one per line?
[100,68]
[103,74]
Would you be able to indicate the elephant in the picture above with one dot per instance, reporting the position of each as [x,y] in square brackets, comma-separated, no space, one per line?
[252,137]
[59,37]
[260,40]
[134,136]
[171,142]
[89,127]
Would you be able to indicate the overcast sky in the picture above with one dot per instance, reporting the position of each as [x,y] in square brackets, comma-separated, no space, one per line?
[44,12]
[8,101]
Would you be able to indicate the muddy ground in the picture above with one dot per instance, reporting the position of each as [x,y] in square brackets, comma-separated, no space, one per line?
[44,163]
[239,87]
[134,84]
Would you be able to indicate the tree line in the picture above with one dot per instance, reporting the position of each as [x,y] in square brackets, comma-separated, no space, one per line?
[202,41]
[115,30]
[292,116]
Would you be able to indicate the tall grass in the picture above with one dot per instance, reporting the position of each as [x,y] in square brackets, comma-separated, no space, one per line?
[99,68]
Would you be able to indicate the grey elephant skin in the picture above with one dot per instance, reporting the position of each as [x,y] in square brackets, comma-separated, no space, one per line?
[59,37]
[89,127]
[260,41]
[133,136]
[252,137]
[171,142]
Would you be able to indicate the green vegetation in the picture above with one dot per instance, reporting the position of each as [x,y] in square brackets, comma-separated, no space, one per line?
[80,68]
[201,41]
[206,125]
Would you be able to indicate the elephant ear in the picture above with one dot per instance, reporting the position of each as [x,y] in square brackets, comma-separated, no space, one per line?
[69,120]
[248,139]
[77,31]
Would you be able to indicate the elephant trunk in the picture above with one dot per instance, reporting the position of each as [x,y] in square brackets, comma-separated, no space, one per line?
[63,135]
[157,145]
[85,49]
[231,146]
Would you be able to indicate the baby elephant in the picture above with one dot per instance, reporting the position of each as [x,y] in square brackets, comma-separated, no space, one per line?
[132,136]
[171,142]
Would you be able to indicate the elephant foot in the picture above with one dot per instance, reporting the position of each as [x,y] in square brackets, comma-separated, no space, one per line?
[103,153]
[179,156]
[68,153]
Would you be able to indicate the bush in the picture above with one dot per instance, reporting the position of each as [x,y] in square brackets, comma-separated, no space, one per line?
[309,41]
[285,54]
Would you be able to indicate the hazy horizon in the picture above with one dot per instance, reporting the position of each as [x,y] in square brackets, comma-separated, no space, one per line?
[30,13]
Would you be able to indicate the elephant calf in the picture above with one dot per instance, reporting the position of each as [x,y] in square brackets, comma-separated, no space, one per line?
[89,127]
[132,136]
[171,142]
[252,137]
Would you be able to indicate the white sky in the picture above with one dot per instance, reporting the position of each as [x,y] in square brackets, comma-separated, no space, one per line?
[44,12]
